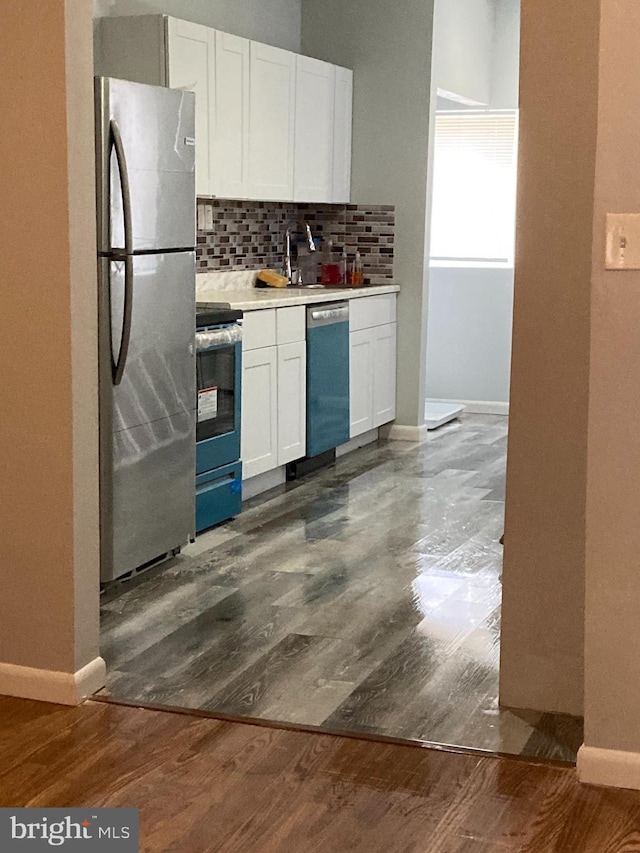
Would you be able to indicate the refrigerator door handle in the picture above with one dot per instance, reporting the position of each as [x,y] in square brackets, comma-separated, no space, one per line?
[117,366]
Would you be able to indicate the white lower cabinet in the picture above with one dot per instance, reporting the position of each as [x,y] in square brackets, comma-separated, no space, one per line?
[384,374]
[274,389]
[373,355]
[259,411]
[274,379]
[292,402]
[361,381]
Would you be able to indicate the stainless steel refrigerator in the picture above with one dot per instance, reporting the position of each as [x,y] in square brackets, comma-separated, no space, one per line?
[146,260]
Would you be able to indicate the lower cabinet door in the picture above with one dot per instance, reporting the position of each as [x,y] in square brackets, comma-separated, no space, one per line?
[361,381]
[259,411]
[292,401]
[384,374]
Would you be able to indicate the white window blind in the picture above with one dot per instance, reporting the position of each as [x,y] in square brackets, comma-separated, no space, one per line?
[474,186]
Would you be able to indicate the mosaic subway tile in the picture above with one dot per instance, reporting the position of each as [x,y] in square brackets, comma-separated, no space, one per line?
[251,234]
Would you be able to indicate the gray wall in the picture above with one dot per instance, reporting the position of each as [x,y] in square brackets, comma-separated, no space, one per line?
[469,338]
[463,44]
[477,51]
[275,22]
[389,47]
[505,69]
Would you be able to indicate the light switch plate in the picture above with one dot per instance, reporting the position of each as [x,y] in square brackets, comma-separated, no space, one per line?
[623,241]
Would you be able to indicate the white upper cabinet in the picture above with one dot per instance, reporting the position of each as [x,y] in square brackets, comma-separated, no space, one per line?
[272,123]
[191,66]
[315,94]
[230,151]
[342,129]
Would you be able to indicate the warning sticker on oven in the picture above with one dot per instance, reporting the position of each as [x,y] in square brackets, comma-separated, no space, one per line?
[207,404]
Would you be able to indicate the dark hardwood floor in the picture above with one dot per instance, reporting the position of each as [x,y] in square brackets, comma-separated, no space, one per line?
[363,598]
[207,786]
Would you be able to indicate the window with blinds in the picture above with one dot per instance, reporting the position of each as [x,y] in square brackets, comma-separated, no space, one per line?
[474,186]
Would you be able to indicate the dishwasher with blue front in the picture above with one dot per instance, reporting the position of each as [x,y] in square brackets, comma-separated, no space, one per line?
[327,377]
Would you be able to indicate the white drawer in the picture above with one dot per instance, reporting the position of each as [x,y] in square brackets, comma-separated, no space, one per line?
[368,311]
[259,329]
[291,325]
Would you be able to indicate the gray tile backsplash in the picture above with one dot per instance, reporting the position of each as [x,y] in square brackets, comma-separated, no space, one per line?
[237,235]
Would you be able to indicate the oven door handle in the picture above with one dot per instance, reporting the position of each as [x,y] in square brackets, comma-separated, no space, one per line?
[118,365]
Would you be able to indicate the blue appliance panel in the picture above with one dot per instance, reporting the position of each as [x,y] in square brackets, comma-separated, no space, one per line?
[219,380]
[327,387]
[218,495]
[225,448]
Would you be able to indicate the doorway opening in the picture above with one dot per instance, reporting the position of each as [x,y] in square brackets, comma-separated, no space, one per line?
[365,598]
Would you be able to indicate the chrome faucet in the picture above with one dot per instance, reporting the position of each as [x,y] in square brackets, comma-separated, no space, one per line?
[292,275]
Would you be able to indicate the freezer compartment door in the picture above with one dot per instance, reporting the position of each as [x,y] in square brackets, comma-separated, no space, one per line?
[152,501]
[157,129]
[159,374]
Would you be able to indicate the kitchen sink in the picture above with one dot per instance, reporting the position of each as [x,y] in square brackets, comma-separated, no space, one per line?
[307,287]
[268,291]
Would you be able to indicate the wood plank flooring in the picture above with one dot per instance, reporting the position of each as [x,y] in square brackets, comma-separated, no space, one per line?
[206,786]
[362,598]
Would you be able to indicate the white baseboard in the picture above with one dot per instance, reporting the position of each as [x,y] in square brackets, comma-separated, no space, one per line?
[45,685]
[357,442]
[480,407]
[609,767]
[399,432]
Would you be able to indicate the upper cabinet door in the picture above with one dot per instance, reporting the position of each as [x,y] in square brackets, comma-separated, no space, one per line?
[230,153]
[342,136]
[315,84]
[272,122]
[191,64]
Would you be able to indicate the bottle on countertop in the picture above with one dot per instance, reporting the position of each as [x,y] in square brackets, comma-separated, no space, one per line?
[356,277]
[330,266]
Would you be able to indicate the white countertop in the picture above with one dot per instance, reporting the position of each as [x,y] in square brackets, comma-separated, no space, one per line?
[279,297]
